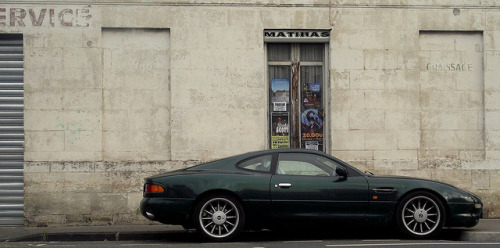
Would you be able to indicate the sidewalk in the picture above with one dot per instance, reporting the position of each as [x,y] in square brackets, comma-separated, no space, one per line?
[488,230]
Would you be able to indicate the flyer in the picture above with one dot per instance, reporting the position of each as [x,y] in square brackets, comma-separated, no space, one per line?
[280,136]
[280,98]
[312,125]
[312,95]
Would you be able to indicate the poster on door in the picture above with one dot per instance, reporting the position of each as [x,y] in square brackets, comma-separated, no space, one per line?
[312,129]
[311,95]
[280,136]
[280,98]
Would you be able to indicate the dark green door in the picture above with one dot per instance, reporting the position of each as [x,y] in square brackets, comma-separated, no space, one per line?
[306,185]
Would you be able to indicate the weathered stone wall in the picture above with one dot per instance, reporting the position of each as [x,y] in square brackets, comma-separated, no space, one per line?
[116,93]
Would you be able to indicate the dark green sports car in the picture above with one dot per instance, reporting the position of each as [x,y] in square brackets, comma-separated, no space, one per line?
[256,190]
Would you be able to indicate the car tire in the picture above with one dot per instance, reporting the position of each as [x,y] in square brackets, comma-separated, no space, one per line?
[219,217]
[420,215]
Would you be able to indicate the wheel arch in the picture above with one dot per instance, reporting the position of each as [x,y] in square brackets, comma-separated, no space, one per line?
[443,201]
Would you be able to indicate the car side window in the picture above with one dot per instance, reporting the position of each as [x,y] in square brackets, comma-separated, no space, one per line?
[301,165]
[262,163]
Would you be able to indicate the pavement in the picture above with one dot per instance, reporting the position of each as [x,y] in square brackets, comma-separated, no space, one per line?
[488,230]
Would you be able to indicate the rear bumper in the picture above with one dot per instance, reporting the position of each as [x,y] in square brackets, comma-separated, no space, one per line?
[167,211]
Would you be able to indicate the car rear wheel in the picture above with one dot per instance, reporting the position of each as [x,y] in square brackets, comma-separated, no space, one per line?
[219,218]
[420,215]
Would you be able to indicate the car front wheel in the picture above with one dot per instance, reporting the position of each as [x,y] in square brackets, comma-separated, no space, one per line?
[219,217]
[420,215]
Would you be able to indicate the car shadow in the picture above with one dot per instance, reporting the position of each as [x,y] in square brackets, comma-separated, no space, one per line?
[308,233]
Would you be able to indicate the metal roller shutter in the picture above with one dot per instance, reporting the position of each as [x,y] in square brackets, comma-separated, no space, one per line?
[11,130]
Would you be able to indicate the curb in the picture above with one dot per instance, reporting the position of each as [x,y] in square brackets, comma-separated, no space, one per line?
[480,236]
[91,236]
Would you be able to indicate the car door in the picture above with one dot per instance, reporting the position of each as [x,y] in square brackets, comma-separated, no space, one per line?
[306,185]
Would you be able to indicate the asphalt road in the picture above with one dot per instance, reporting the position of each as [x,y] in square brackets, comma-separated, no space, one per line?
[290,238]
[264,244]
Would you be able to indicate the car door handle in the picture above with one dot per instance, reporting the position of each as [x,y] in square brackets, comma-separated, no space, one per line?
[283,185]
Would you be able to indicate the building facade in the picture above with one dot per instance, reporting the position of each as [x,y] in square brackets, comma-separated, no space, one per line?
[97,95]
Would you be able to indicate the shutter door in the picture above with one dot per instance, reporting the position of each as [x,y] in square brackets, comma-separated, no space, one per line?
[11,130]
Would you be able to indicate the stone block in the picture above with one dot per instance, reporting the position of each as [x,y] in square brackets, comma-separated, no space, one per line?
[83,99]
[472,155]
[344,19]
[86,58]
[490,80]
[348,140]
[395,165]
[76,156]
[382,59]
[395,155]
[339,120]
[438,81]
[491,40]
[492,20]
[446,100]
[367,79]
[36,167]
[449,120]
[443,139]
[395,19]
[402,120]
[492,100]
[74,167]
[492,61]
[480,180]
[441,19]
[83,141]
[40,183]
[134,202]
[492,119]
[347,59]
[408,139]
[380,140]
[126,181]
[457,177]
[366,119]
[114,203]
[353,155]
[363,165]
[492,154]
[48,99]
[46,57]
[340,79]
[492,140]
[49,120]
[86,182]
[477,19]
[494,176]
[381,99]
[44,141]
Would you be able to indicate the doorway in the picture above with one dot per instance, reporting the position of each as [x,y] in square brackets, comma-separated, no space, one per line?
[297,95]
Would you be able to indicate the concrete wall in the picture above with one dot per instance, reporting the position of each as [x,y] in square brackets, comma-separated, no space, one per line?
[115,93]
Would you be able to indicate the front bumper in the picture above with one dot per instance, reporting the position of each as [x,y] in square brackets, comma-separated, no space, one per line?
[167,211]
[465,215]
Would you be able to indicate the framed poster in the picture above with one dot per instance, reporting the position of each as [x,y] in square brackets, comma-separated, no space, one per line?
[280,98]
[312,129]
[280,136]
[312,95]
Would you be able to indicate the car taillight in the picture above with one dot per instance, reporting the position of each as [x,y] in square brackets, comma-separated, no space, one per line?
[153,188]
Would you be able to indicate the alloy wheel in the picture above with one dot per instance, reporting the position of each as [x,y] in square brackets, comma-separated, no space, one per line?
[421,215]
[219,218]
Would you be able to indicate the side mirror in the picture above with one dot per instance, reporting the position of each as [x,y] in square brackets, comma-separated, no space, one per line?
[341,171]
